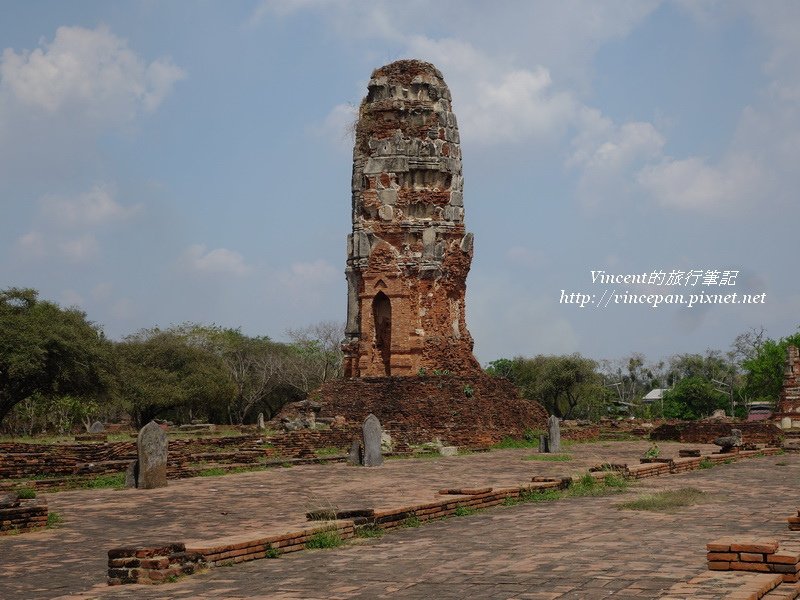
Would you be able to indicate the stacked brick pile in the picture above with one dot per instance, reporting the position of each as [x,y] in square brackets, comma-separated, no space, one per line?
[794,522]
[26,515]
[151,564]
[762,555]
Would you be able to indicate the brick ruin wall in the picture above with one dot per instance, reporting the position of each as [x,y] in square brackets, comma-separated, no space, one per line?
[465,411]
[705,432]
[789,401]
[20,460]
[25,516]
[409,252]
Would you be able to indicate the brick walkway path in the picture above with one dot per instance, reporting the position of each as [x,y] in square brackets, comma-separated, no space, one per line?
[576,548]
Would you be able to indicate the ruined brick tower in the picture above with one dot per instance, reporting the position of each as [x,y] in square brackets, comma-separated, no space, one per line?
[789,401]
[409,253]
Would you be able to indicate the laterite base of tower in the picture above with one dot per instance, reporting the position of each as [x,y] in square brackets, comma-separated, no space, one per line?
[467,411]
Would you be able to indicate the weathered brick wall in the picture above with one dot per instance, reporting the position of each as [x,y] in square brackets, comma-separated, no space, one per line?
[465,411]
[705,432]
[27,515]
[584,433]
[20,460]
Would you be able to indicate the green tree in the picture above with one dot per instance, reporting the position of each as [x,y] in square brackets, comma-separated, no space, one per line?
[568,386]
[318,353]
[161,372]
[48,351]
[693,398]
[764,370]
[257,367]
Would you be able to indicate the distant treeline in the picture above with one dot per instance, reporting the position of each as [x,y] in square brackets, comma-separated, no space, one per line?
[58,371]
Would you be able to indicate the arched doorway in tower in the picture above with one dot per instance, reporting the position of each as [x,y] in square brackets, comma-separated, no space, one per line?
[382,313]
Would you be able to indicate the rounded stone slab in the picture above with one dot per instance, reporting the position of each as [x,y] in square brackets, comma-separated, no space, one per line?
[152,444]
[372,442]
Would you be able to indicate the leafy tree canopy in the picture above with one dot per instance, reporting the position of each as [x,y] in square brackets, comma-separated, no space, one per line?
[47,350]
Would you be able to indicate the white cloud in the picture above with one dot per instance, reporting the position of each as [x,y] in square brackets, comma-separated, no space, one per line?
[90,72]
[310,274]
[497,102]
[95,207]
[123,309]
[32,245]
[80,249]
[525,257]
[759,164]
[71,298]
[102,291]
[282,8]
[218,261]
[607,154]
[692,184]
[66,227]
[339,125]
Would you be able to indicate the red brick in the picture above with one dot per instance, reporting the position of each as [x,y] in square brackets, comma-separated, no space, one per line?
[751,557]
[747,566]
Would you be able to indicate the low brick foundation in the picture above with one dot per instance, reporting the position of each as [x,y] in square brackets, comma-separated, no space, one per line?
[157,563]
[28,515]
[665,466]
[762,555]
[705,432]
[247,547]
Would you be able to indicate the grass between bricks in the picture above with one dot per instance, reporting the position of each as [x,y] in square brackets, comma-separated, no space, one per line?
[463,511]
[706,464]
[666,501]
[25,493]
[369,531]
[54,520]
[325,539]
[585,486]
[412,521]
[329,451]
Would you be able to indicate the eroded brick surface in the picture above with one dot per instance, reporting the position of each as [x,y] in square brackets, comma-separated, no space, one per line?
[409,253]
[789,403]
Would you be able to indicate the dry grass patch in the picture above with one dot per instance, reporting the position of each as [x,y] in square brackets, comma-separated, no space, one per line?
[666,501]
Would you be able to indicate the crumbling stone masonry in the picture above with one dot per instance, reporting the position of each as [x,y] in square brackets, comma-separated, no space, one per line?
[409,253]
[789,401]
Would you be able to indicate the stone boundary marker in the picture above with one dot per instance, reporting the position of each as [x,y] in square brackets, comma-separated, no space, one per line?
[252,546]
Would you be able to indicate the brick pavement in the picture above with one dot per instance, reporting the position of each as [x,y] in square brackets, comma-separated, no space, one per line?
[577,548]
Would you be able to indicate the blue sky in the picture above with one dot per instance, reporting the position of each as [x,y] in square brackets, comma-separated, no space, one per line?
[171,162]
